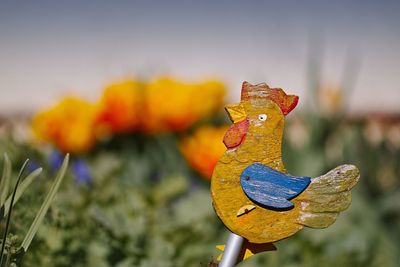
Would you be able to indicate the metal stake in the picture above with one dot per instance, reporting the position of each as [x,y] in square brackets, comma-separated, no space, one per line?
[231,251]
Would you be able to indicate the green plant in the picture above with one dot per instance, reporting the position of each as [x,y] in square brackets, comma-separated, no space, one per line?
[11,254]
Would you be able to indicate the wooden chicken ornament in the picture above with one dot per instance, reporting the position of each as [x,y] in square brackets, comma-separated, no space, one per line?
[253,195]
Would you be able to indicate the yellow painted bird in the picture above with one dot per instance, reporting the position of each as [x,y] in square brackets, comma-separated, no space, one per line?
[252,193]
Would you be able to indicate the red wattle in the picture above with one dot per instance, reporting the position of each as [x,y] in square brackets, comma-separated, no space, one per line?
[236,134]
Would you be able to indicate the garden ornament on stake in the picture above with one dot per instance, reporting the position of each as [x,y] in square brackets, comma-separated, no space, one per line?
[253,195]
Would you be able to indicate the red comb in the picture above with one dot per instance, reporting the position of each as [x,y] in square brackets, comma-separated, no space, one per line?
[285,102]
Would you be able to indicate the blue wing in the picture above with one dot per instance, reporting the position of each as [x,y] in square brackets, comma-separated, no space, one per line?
[271,188]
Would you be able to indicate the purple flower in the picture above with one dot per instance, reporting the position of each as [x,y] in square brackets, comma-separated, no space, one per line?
[32,166]
[81,172]
[55,160]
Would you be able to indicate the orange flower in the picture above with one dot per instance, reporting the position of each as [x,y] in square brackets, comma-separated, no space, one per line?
[163,105]
[171,105]
[119,107]
[69,125]
[203,149]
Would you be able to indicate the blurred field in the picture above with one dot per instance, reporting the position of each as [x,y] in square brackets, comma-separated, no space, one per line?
[137,192]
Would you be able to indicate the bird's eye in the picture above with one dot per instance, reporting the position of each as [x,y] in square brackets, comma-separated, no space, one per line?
[262,117]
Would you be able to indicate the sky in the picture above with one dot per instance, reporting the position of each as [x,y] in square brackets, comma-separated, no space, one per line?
[49,49]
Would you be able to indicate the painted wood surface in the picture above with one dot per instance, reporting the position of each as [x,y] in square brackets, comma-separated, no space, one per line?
[264,110]
[236,134]
[271,188]
[251,249]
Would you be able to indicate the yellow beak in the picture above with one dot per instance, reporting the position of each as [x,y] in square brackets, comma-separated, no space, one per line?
[236,112]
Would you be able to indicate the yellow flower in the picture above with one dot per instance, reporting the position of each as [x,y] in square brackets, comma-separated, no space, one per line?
[203,149]
[330,98]
[69,125]
[163,105]
[171,105]
[119,107]
[209,96]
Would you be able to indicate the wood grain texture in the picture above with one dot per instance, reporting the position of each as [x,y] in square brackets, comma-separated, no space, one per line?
[317,206]
[262,144]
[271,188]
[327,196]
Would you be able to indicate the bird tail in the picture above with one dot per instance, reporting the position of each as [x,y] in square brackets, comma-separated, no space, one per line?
[327,196]
[249,249]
